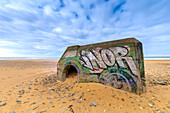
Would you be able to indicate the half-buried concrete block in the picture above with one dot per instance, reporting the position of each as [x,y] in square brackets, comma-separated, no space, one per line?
[116,63]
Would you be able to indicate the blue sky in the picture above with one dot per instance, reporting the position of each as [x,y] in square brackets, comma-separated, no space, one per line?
[44,28]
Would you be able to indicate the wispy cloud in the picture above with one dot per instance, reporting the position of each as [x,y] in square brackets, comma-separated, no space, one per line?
[46,28]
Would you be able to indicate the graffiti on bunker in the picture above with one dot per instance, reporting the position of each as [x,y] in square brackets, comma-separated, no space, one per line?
[111,57]
[103,58]
[119,64]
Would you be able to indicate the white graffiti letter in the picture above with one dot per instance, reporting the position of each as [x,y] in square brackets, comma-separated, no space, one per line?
[131,64]
[119,52]
[108,57]
[86,60]
[96,60]
[92,60]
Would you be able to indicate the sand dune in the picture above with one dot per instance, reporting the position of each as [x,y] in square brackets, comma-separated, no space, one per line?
[31,86]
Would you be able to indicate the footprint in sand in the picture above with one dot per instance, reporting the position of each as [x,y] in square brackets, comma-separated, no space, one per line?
[3,78]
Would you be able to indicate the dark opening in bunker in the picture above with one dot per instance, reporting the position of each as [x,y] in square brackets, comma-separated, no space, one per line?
[71,71]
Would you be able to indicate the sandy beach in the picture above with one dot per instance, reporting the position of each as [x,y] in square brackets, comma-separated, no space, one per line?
[30,86]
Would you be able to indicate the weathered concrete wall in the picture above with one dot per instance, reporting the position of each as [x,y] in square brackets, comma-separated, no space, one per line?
[116,63]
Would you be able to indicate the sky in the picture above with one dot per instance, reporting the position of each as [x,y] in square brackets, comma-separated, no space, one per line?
[44,28]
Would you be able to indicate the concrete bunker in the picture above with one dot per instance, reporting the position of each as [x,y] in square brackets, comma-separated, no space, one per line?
[116,63]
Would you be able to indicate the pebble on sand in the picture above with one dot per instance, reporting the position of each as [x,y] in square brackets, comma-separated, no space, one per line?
[79,101]
[80,96]
[59,99]
[27,109]
[3,104]
[151,102]
[35,107]
[39,97]
[139,100]
[150,105]
[61,106]
[72,94]
[42,111]
[113,95]
[18,100]
[93,104]
[12,112]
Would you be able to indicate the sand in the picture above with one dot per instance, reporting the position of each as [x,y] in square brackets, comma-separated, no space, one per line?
[31,86]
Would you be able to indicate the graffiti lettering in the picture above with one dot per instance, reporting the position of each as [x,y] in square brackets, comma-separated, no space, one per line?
[119,52]
[108,57]
[95,59]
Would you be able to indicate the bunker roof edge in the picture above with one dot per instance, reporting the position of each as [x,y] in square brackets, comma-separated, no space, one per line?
[126,40]
[132,39]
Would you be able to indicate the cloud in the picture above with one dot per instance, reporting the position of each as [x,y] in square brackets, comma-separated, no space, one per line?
[8,53]
[46,28]
[57,29]
[5,43]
